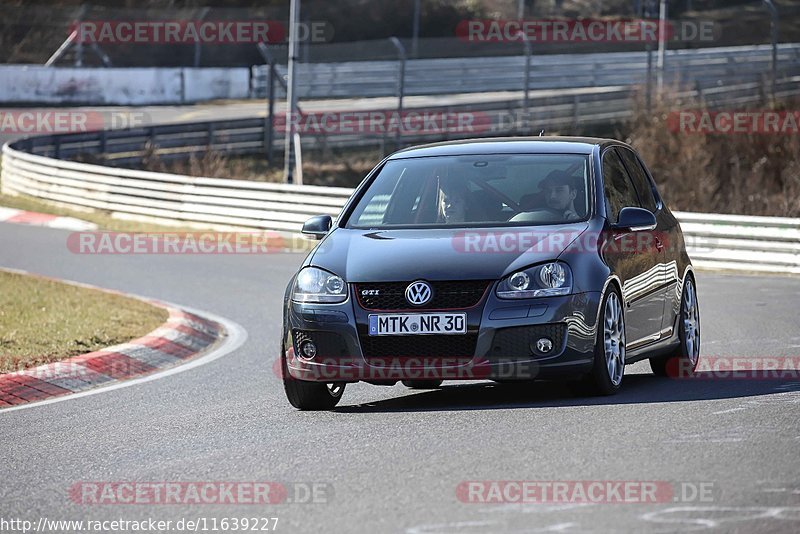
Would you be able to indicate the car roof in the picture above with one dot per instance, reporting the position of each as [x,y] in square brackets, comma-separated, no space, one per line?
[508,145]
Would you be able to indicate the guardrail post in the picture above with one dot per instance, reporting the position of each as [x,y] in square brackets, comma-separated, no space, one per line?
[699,90]
[762,89]
[576,104]
[210,134]
[401,85]
[527,83]
[57,147]
[773,26]
[272,79]
[649,81]
[197,44]
[102,142]
[270,122]
[289,160]
[662,43]
[151,142]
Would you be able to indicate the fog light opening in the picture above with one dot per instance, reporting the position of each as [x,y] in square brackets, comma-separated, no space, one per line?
[544,345]
[308,350]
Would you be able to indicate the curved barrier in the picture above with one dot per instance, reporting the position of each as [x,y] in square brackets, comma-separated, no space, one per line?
[728,242]
[168,198]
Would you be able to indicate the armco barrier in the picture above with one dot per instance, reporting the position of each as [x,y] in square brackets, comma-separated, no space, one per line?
[169,198]
[730,242]
[742,243]
[354,79]
[491,115]
[507,73]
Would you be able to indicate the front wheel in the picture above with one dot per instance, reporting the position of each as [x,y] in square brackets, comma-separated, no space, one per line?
[305,395]
[609,353]
[683,361]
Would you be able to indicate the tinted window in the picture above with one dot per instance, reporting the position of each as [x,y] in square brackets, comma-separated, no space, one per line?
[619,190]
[474,190]
[639,178]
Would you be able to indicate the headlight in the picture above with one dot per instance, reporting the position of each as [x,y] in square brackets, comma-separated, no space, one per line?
[545,280]
[318,286]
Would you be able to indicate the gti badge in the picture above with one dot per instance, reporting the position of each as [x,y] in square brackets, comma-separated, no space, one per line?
[418,293]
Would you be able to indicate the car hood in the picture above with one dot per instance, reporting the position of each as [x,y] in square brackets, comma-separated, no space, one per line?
[440,254]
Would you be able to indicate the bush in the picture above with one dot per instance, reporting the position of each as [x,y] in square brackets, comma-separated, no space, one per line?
[747,174]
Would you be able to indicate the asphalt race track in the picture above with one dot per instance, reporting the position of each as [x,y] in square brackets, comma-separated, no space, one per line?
[393,456]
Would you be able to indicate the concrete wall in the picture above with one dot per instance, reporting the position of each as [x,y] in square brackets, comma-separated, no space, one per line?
[124,86]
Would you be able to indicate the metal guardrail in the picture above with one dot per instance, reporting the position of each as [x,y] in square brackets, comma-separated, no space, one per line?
[730,242]
[465,75]
[742,243]
[168,198]
[555,111]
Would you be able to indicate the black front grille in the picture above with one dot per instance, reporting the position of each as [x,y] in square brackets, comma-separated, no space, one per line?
[329,344]
[517,341]
[446,295]
[423,346]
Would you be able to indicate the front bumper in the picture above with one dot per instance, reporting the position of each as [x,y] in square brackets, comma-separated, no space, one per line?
[502,334]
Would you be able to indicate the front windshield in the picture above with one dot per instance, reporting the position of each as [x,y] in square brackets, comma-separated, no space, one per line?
[476,190]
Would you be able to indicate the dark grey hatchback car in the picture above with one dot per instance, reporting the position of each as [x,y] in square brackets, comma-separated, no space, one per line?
[501,259]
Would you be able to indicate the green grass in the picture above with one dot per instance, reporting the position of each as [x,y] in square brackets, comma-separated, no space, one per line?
[43,321]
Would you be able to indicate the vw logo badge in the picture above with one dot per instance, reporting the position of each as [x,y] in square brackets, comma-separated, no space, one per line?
[418,293]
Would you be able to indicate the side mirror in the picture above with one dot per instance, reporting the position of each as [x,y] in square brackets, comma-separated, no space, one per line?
[318,226]
[635,220]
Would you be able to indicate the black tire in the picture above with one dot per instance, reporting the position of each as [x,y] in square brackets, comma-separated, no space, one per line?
[305,395]
[422,384]
[598,381]
[679,363]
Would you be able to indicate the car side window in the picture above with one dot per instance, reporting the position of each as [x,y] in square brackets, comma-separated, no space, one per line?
[619,190]
[639,177]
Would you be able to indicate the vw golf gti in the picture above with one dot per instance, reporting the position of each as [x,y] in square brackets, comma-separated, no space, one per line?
[515,259]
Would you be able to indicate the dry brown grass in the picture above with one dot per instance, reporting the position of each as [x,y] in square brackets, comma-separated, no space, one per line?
[341,170]
[748,174]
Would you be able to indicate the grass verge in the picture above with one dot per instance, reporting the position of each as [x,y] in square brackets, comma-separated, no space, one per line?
[103,220]
[43,321]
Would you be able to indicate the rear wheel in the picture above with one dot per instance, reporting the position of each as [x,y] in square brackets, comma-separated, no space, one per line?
[422,384]
[305,395]
[609,353]
[683,361]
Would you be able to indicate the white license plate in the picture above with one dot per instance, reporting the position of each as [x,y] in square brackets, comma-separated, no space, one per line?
[385,324]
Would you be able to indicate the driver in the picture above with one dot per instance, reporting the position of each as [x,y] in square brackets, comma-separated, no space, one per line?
[452,201]
[560,192]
